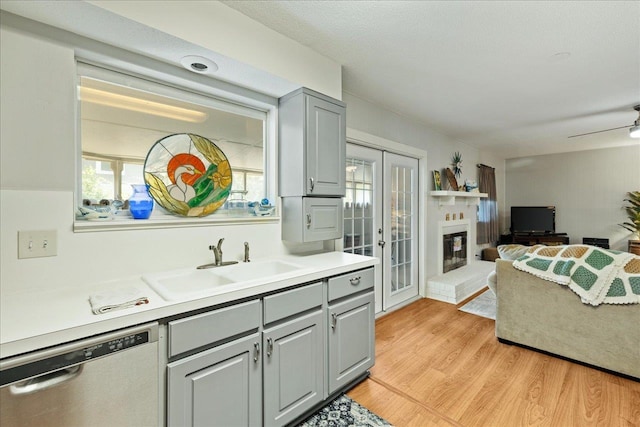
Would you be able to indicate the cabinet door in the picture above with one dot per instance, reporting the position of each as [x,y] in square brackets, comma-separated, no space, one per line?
[351,339]
[217,387]
[325,147]
[293,368]
[311,219]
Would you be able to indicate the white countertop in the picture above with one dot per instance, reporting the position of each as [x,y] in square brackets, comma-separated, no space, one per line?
[33,321]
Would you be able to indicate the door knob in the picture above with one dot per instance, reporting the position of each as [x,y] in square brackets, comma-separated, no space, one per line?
[381,243]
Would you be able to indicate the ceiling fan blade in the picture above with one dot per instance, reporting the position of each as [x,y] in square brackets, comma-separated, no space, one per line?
[599,131]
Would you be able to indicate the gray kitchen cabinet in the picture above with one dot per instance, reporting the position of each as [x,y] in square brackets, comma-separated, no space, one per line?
[217,387]
[264,361]
[351,319]
[294,374]
[311,219]
[312,144]
[214,376]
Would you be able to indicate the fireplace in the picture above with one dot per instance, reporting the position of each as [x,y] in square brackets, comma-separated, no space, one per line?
[454,251]
[455,243]
[469,276]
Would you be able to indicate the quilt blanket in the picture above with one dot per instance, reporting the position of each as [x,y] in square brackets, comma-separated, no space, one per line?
[597,275]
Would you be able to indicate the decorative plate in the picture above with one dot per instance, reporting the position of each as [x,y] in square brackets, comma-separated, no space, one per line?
[452,180]
[187,174]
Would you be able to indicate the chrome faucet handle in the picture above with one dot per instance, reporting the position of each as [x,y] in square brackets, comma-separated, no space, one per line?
[246,252]
[217,252]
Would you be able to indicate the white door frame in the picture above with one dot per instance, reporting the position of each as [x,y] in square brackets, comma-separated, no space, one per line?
[368,140]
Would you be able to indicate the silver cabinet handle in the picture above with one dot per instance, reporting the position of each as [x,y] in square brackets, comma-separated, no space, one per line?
[45,381]
[355,280]
[334,320]
[311,184]
[308,220]
[381,243]
[269,347]
[256,351]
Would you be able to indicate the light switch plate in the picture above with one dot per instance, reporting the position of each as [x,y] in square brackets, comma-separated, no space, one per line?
[37,243]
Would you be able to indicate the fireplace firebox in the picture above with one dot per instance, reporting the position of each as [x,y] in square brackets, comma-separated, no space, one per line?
[454,250]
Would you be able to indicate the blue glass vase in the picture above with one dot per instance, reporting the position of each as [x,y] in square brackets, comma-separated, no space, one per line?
[140,203]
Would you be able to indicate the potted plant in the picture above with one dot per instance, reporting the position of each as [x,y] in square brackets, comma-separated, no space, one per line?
[633,225]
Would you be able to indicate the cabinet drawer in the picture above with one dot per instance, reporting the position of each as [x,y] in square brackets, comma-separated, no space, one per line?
[206,328]
[350,283]
[285,304]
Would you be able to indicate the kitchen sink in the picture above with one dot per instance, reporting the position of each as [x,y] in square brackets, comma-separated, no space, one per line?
[184,283]
[180,284]
[245,272]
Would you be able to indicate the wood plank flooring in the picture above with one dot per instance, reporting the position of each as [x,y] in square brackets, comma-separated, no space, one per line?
[438,366]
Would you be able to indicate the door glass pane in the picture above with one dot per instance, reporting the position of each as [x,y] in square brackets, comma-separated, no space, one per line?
[394,277]
[358,207]
[401,277]
[401,233]
[368,231]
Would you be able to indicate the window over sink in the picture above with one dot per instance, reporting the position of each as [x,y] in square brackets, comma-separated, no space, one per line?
[122,116]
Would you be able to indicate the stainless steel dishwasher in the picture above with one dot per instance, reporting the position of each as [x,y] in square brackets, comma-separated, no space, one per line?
[106,380]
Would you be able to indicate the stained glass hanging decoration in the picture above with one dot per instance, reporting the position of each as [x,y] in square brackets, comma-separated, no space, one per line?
[188,175]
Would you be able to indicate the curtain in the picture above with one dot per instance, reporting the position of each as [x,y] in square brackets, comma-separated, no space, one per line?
[487,231]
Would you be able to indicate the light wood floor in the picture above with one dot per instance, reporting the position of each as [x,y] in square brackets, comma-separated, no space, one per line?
[438,366]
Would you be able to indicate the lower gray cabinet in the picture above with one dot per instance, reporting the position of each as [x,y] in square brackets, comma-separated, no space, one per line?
[351,339]
[294,375]
[217,387]
[264,362]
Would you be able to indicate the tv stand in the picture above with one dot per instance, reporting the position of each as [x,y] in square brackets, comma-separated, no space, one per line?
[549,239]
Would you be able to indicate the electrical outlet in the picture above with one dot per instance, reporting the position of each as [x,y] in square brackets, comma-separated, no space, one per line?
[37,243]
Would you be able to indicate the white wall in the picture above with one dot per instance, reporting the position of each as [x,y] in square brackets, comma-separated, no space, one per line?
[37,183]
[587,188]
[369,118]
[226,31]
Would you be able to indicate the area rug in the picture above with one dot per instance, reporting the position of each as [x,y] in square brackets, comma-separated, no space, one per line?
[344,412]
[483,305]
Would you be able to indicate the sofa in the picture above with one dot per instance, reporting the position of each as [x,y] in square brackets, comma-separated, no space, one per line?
[546,316]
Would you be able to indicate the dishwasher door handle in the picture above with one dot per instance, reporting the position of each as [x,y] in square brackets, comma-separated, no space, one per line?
[45,381]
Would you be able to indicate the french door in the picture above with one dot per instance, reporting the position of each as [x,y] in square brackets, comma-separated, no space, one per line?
[381,219]
[400,257]
[363,209]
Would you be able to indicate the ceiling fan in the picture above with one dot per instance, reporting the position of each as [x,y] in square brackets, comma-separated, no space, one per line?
[634,130]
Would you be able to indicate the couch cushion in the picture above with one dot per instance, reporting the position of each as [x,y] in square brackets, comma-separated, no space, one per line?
[512,252]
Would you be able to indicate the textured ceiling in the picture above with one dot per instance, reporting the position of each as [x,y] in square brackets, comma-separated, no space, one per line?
[513,77]
[516,77]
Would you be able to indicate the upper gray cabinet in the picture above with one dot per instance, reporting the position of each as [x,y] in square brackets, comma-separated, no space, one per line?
[312,149]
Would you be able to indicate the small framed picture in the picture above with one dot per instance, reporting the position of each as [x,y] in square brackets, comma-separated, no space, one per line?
[437,182]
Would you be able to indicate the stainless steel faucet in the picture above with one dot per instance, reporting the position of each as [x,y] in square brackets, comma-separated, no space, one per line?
[246,252]
[217,252]
[217,255]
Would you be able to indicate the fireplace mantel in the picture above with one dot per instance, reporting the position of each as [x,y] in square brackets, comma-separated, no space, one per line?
[448,198]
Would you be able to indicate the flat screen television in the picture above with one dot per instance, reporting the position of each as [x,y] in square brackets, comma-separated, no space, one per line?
[533,219]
